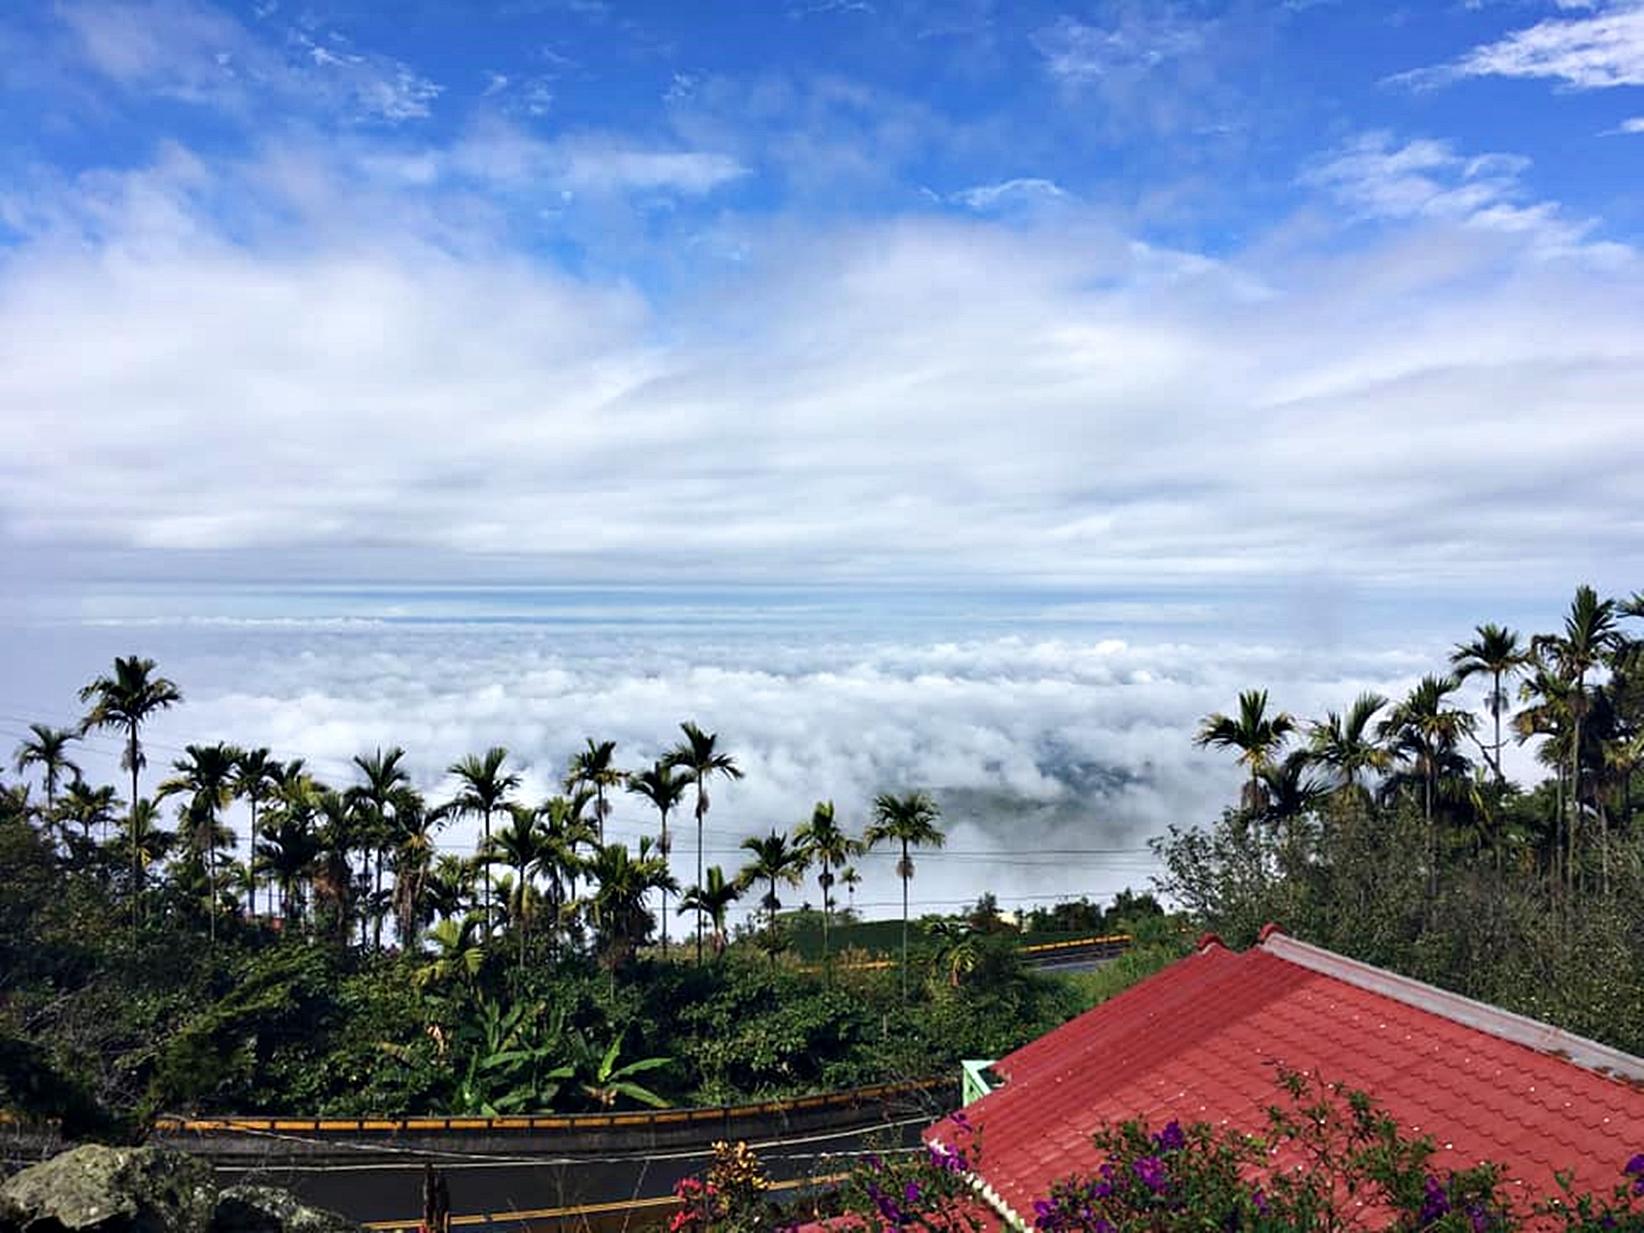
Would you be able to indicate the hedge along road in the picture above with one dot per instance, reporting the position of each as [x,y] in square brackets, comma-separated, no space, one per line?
[615,1170]
[555,1172]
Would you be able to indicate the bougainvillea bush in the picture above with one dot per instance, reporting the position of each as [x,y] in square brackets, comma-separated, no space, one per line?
[1329,1161]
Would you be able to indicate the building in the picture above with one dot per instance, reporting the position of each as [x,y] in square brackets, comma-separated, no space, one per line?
[1203,1041]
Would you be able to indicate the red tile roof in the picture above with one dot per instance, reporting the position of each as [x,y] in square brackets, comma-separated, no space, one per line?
[1201,1041]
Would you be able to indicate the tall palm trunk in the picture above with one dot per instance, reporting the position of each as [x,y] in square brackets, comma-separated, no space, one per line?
[699,813]
[666,853]
[136,858]
[1495,705]
[903,870]
[488,925]
[1575,780]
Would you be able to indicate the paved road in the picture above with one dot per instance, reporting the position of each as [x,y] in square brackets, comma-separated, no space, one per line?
[612,1191]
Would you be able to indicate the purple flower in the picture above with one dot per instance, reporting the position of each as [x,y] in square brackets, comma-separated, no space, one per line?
[874,1162]
[1477,1217]
[1435,1202]
[1171,1138]
[1635,1166]
[1042,1211]
[910,1193]
[1258,1200]
[1150,1170]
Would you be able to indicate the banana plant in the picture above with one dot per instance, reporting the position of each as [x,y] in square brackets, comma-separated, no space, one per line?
[605,1082]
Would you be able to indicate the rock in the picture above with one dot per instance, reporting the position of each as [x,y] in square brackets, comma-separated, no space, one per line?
[266,1209]
[97,1189]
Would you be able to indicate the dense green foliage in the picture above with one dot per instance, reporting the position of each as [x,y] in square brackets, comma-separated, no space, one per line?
[1398,841]
[347,968]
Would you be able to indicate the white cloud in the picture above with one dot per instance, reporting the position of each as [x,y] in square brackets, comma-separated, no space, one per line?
[1136,41]
[197,53]
[1634,125]
[1023,191]
[1602,49]
[507,155]
[1033,744]
[928,398]
[1428,180]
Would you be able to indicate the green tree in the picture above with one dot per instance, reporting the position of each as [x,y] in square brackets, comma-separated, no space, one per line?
[1496,651]
[523,846]
[1347,745]
[700,758]
[384,777]
[47,748]
[203,776]
[252,781]
[147,841]
[125,700]
[595,768]
[826,845]
[1257,736]
[911,821]
[774,860]
[1589,635]
[664,790]
[622,923]
[484,788]
[606,1082]
[711,902]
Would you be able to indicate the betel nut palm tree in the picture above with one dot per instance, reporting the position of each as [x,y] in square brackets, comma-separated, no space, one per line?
[124,700]
[911,821]
[484,788]
[700,758]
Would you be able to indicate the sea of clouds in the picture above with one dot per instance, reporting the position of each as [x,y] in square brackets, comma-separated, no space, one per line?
[1055,754]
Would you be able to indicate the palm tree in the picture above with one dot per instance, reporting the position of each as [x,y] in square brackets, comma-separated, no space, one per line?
[1256,735]
[1589,634]
[1347,745]
[957,949]
[147,841]
[1494,650]
[594,768]
[852,880]
[449,891]
[384,777]
[911,821]
[621,921]
[826,845]
[413,834]
[485,787]
[1288,791]
[664,790]
[712,902]
[88,807]
[775,860]
[254,775]
[334,887]
[565,834]
[699,757]
[287,850]
[459,952]
[1425,732]
[522,845]
[126,700]
[204,774]
[47,748]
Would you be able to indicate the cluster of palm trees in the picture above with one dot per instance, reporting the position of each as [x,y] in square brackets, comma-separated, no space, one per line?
[1581,699]
[332,859]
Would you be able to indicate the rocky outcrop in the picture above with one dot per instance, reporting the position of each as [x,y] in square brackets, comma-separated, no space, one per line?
[268,1209]
[96,1189]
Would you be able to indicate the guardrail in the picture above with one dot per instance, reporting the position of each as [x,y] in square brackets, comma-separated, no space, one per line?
[572,1123]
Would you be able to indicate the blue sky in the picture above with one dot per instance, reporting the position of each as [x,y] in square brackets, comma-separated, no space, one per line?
[950,393]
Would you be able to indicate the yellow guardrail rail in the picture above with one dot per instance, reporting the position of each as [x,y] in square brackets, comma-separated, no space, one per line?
[1036,948]
[563,1121]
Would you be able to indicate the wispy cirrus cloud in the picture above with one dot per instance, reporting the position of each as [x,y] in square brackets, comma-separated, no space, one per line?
[196,53]
[1023,191]
[1428,180]
[1599,49]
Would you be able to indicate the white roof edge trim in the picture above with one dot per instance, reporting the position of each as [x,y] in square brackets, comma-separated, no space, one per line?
[991,1197]
[1481,1016]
